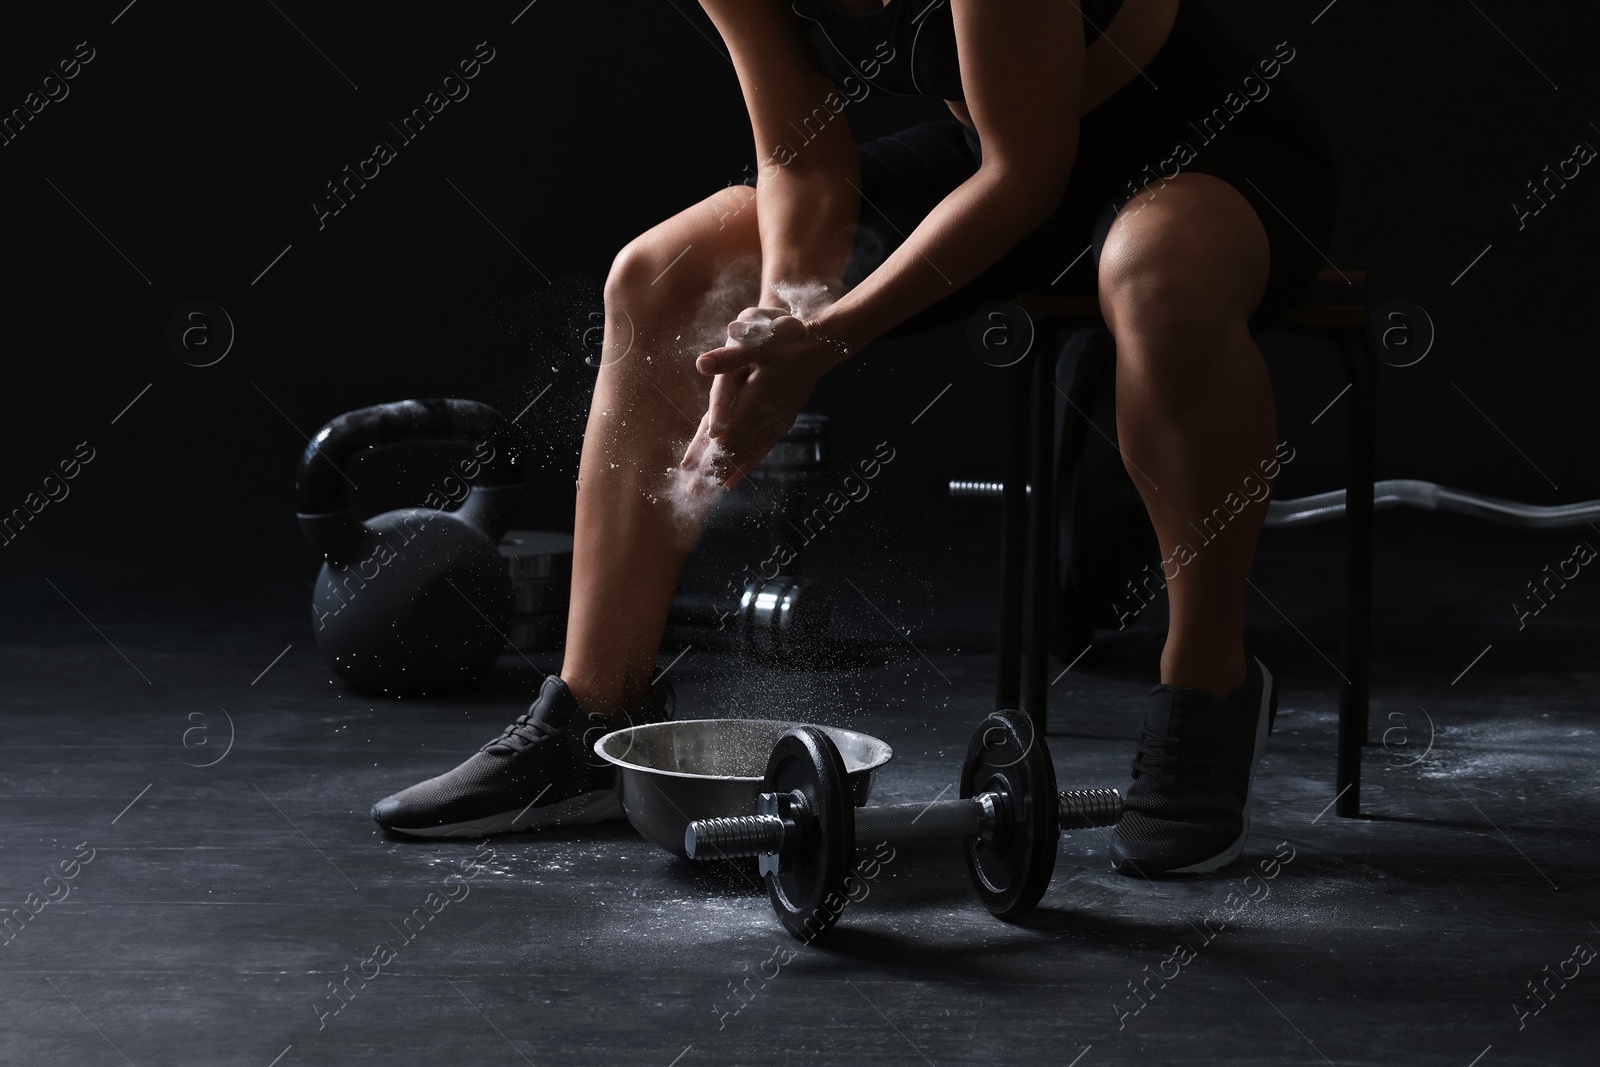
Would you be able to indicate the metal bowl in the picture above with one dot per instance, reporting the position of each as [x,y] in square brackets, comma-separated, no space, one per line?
[671,773]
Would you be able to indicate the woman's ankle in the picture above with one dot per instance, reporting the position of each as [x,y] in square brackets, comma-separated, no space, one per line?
[1215,671]
[610,701]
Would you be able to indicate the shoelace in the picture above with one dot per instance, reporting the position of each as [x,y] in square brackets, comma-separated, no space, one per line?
[523,734]
[527,732]
[1173,761]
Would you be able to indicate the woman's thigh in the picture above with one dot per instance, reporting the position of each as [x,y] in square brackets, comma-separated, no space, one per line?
[1293,195]
[1272,150]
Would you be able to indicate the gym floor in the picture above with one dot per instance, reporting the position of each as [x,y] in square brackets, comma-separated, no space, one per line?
[212,905]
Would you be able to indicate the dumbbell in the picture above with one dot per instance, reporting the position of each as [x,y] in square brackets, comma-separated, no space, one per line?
[806,827]
[777,621]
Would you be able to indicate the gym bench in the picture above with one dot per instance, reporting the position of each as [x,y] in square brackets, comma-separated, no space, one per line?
[1334,307]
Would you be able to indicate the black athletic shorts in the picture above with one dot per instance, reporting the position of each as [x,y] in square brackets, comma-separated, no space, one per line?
[1204,104]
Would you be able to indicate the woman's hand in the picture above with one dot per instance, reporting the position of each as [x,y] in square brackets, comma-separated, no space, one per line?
[763,377]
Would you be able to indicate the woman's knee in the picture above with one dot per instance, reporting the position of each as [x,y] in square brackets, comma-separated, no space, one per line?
[635,271]
[672,297]
[711,245]
[1181,273]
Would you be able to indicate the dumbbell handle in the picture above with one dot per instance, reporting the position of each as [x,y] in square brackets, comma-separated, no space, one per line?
[704,611]
[726,612]
[755,835]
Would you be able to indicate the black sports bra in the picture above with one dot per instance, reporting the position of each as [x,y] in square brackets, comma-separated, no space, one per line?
[905,48]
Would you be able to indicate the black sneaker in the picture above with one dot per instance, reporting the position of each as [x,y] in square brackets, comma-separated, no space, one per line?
[541,771]
[1188,809]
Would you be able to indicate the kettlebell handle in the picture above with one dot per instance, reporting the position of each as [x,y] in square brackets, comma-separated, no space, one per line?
[320,485]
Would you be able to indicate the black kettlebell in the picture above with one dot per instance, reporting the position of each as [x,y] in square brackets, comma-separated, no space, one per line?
[415,600]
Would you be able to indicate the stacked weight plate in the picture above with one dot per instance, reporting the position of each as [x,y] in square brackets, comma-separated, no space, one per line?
[802,455]
[752,519]
[540,566]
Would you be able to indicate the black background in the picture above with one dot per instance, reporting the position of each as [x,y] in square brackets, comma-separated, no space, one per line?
[172,586]
[198,137]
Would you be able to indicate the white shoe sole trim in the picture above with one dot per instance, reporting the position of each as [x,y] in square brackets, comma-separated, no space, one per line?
[599,806]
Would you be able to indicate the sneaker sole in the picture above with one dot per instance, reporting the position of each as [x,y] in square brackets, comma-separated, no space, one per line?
[582,810]
[1264,720]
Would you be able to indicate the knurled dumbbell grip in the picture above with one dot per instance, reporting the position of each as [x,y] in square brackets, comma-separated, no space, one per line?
[1079,809]
[912,822]
[752,835]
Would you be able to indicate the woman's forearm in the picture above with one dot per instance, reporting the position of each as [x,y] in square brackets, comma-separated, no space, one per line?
[807,218]
[968,231]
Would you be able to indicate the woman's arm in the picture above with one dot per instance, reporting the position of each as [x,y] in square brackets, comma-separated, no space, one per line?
[808,203]
[1021,64]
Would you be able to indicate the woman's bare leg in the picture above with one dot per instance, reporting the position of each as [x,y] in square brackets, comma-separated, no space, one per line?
[669,296]
[1179,277]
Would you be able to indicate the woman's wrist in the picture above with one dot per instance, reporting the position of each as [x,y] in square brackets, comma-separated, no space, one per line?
[836,328]
[838,348]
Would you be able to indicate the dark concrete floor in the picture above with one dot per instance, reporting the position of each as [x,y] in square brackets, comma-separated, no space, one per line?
[219,901]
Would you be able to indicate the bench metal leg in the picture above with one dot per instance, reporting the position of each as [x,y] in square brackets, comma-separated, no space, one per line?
[1041,537]
[1029,545]
[1014,537]
[1362,467]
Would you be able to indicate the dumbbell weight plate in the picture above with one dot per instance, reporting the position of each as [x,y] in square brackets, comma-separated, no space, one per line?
[537,554]
[800,455]
[535,633]
[808,894]
[1012,870]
